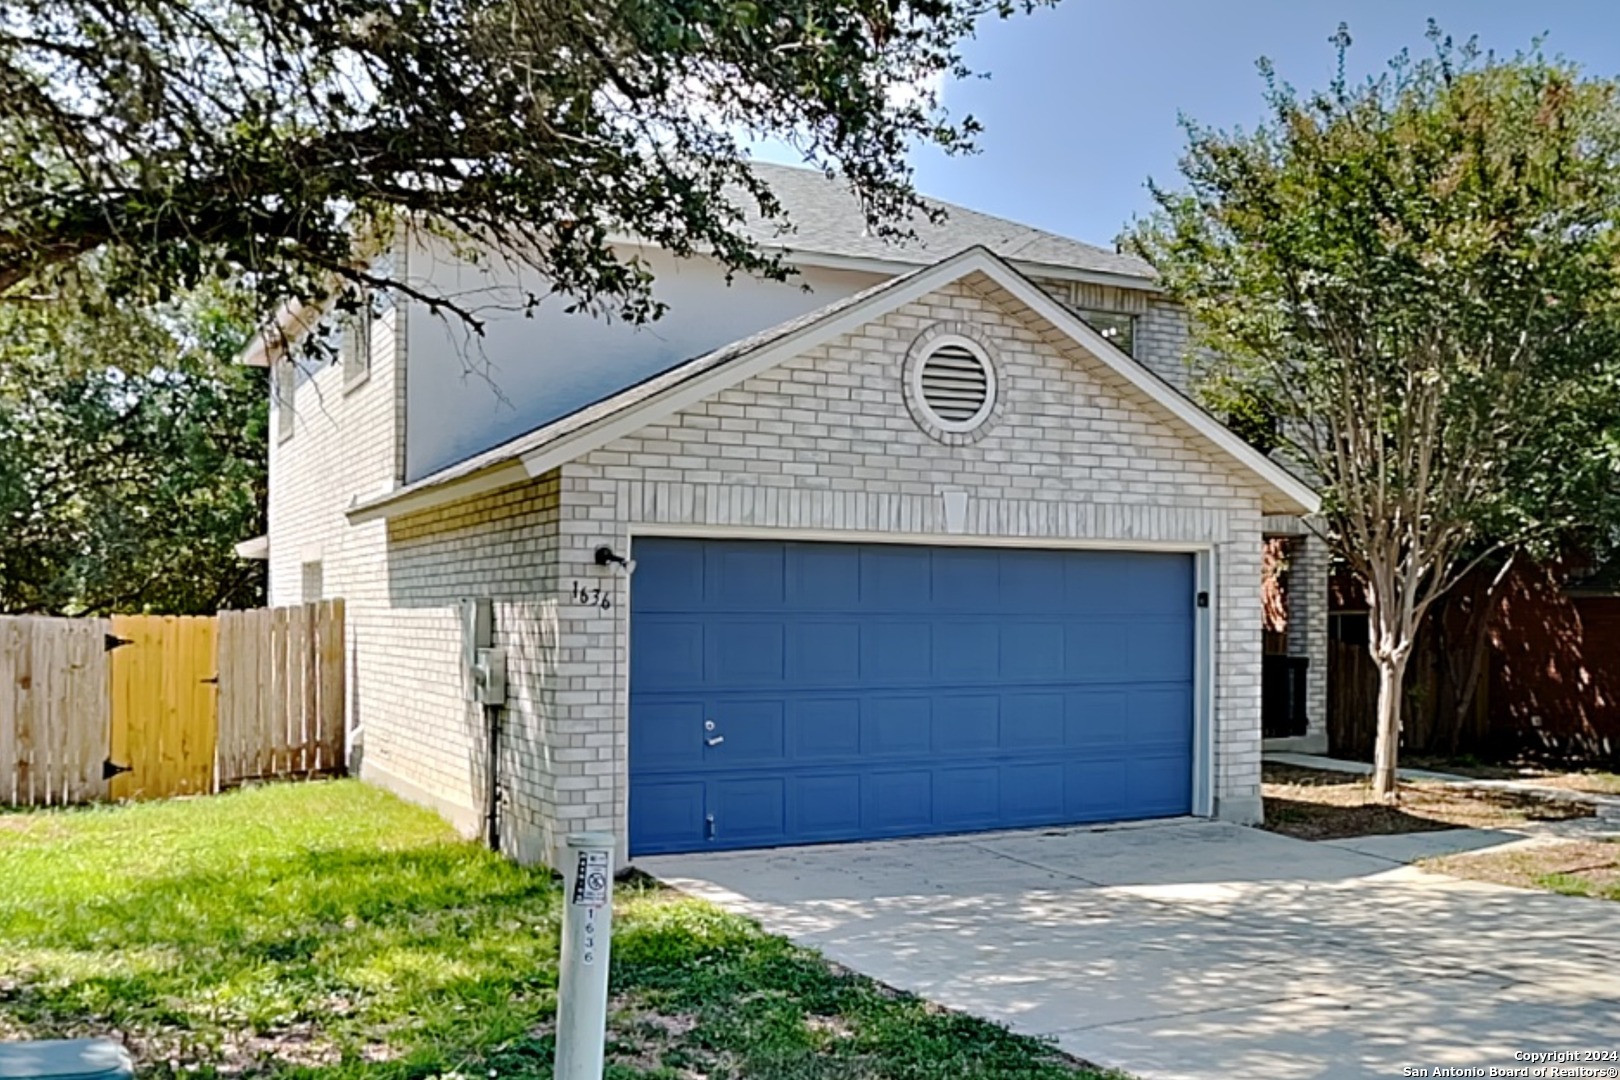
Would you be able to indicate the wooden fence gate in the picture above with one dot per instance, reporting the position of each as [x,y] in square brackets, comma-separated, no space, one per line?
[148,706]
[162,737]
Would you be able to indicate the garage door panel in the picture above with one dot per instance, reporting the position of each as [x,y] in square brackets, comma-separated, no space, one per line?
[826,728]
[1098,585]
[754,733]
[1093,718]
[1158,651]
[749,811]
[896,725]
[744,576]
[1097,790]
[1098,650]
[670,576]
[1152,588]
[1030,582]
[826,806]
[669,653]
[897,801]
[894,579]
[964,723]
[966,652]
[668,815]
[895,652]
[743,653]
[1032,793]
[1032,721]
[969,797]
[824,653]
[1032,651]
[1159,716]
[870,691]
[671,736]
[1158,784]
[824,577]
[964,580]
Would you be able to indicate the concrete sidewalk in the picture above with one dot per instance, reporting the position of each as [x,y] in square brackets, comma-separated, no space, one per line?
[1196,949]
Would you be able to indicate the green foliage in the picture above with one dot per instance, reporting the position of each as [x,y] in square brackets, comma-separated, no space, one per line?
[1418,278]
[275,143]
[329,930]
[134,455]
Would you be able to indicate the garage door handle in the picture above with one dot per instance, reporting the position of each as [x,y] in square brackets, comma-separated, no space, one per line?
[714,740]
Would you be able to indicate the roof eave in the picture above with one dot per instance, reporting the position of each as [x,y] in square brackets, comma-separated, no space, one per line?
[898,264]
[410,500]
[1284,494]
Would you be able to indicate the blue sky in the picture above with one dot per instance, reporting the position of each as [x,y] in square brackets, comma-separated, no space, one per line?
[1082,103]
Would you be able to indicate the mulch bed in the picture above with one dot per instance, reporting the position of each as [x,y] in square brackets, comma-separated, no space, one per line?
[1313,804]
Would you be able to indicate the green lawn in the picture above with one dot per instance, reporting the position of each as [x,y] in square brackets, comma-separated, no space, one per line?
[329,930]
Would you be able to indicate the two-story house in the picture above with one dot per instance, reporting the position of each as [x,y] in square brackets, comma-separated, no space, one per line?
[928,541]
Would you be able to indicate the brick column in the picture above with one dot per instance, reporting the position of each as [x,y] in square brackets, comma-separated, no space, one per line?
[1308,630]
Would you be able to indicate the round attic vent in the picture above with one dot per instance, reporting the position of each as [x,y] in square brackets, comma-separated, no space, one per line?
[955,385]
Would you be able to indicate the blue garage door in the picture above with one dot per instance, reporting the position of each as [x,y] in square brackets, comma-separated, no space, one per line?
[794,693]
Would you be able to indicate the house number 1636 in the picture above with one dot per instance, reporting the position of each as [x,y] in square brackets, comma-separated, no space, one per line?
[592,596]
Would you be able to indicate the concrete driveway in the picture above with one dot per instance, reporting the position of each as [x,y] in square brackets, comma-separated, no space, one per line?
[1197,949]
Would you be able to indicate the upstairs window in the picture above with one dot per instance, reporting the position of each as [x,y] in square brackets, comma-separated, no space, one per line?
[1116,326]
[281,385]
[354,348]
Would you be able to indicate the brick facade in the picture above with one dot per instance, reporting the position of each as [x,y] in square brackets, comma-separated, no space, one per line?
[1307,598]
[1162,343]
[823,445]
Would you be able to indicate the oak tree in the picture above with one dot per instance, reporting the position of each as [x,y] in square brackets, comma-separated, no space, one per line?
[133,455]
[276,143]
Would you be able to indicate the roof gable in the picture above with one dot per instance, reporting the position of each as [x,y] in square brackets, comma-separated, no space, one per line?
[669,392]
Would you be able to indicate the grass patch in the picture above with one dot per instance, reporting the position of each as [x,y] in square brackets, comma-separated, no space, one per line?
[329,930]
[1572,867]
[1314,804]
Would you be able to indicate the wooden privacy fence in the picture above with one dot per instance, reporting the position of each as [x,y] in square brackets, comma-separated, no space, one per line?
[54,711]
[147,706]
[280,692]
[1430,723]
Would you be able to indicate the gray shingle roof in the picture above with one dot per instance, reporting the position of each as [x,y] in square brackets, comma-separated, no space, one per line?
[825,217]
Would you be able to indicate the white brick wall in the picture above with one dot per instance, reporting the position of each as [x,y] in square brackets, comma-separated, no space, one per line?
[823,443]
[421,727]
[410,727]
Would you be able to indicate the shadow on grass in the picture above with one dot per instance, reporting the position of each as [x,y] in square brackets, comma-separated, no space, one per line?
[371,961]
[377,949]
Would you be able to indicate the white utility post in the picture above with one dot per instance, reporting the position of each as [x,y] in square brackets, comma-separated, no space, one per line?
[586,931]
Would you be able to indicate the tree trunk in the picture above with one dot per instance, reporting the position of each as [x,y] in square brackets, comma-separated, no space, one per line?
[1391,676]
